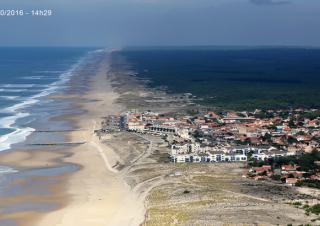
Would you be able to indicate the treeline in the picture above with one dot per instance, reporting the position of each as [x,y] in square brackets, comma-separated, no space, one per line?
[308,162]
[309,183]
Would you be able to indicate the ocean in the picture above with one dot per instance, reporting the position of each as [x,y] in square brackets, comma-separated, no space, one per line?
[228,78]
[27,77]
[232,78]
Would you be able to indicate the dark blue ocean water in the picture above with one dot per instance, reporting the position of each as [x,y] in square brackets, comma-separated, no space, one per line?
[27,77]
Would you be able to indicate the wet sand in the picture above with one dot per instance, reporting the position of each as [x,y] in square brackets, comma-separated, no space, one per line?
[99,195]
[81,185]
[92,192]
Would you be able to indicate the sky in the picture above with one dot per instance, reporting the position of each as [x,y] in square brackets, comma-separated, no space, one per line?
[119,23]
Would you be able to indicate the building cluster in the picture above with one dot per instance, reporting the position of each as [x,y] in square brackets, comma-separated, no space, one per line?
[287,173]
[196,152]
[208,136]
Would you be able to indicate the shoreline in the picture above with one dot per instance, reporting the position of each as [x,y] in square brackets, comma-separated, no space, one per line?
[124,178]
[98,199]
[95,193]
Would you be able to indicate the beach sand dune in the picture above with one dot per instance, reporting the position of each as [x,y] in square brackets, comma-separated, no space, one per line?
[98,194]
[94,193]
[124,179]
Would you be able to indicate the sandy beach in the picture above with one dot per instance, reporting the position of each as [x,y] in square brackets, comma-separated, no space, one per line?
[99,196]
[96,194]
[125,179]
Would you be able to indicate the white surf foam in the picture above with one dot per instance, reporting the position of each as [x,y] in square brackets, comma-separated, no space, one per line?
[6,169]
[14,108]
[51,88]
[38,77]
[20,134]
[13,90]
[8,121]
[22,86]
[17,85]
[9,97]
[48,72]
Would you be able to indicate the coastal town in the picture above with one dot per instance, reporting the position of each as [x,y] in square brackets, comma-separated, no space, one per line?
[258,138]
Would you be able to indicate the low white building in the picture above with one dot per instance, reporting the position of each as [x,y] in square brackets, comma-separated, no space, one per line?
[233,157]
[183,133]
[192,158]
[181,158]
[268,154]
[194,152]
[136,126]
[179,149]
[186,148]
[217,156]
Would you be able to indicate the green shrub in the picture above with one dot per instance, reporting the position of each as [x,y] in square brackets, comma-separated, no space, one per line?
[315,209]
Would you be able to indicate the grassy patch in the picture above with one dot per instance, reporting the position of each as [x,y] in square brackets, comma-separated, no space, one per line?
[314,209]
[165,216]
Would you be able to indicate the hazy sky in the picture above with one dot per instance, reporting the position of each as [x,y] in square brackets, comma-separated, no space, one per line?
[118,23]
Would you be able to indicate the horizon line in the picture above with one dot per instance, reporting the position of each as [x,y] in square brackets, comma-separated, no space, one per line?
[165,46]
